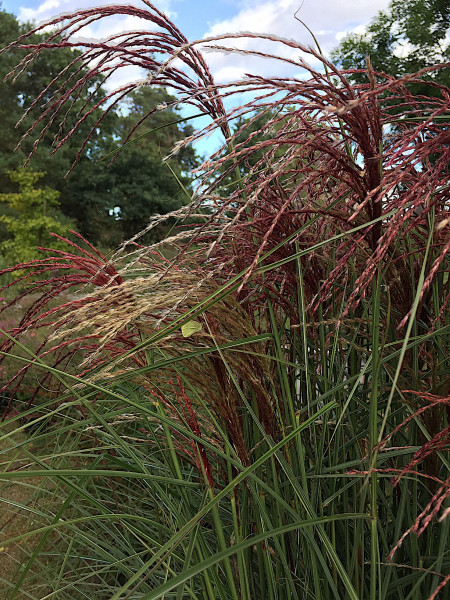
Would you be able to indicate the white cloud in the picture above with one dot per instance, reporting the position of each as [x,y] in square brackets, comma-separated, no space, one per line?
[113,25]
[229,73]
[403,50]
[329,20]
[358,30]
[34,14]
[100,29]
[49,9]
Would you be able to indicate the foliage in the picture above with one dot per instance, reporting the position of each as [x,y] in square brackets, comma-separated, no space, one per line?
[33,215]
[142,114]
[17,95]
[266,415]
[138,183]
[410,36]
[86,195]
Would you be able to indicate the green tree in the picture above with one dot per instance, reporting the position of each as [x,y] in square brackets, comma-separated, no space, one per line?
[410,35]
[17,95]
[166,126]
[33,213]
[107,204]
[139,184]
[251,131]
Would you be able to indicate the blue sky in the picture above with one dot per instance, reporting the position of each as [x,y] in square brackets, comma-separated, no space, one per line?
[329,19]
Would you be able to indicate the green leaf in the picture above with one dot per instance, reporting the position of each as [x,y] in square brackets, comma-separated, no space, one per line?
[190,328]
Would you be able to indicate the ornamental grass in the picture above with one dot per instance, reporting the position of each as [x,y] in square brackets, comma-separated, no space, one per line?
[265,415]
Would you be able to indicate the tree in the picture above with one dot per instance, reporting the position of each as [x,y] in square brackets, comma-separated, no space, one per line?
[166,126]
[33,214]
[18,94]
[119,201]
[411,35]
[251,132]
[107,204]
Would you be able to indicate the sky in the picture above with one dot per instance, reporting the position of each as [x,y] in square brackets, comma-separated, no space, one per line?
[330,20]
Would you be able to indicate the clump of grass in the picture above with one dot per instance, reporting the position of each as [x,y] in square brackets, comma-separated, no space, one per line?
[265,415]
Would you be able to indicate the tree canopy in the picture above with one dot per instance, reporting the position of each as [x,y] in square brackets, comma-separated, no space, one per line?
[33,214]
[107,203]
[409,36]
